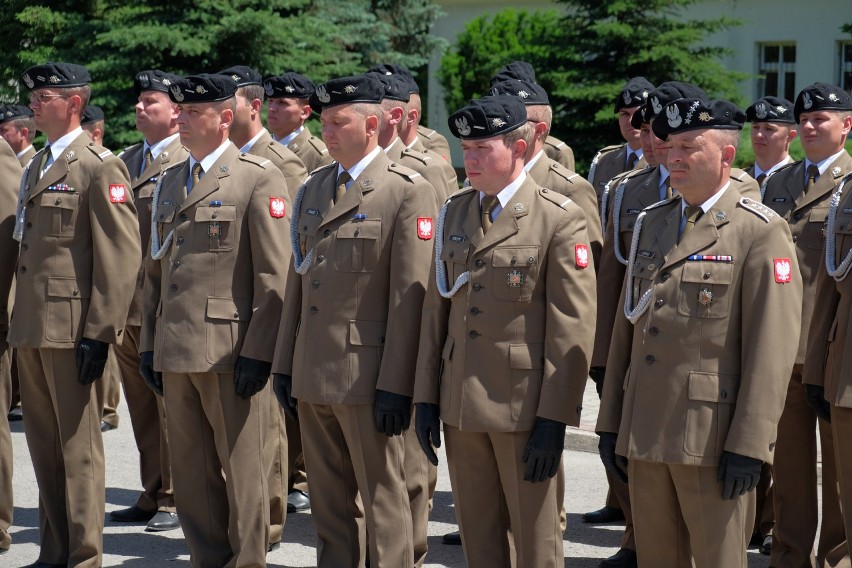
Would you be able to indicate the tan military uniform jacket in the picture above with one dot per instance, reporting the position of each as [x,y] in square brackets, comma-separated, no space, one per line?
[828,362]
[553,175]
[79,252]
[216,293]
[608,163]
[143,190]
[25,158]
[10,180]
[805,213]
[434,169]
[310,149]
[284,159]
[559,151]
[350,323]
[435,141]
[513,342]
[705,368]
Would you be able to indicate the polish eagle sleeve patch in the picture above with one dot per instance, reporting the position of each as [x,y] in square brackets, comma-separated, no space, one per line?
[277,207]
[425,228]
[117,193]
[581,255]
[783,270]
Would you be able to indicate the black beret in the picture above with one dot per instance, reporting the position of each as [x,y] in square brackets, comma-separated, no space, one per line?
[696,114]
[821,96]
[527,92]
[634,93]
[346,90]
[487,117]
[56,75]
[153,80]
[244,76]
[669,92]
[395,86]
[400,72]
[515,70]
[771,109]
[203,88]
[289,85]
[92,114]
[14,112]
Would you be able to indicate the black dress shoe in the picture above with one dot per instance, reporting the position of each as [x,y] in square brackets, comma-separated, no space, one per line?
[132,515]
[16,414]
[163,521]
[106,426]
[273,546]
[766,547]
[604,515]
[297,501]
[452,538]
[45,565]
[624,558]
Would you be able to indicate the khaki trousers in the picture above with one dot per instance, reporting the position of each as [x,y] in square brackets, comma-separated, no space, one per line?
[680,517]
[218,469]
[297,477]
[421,477]
[492,499]
[148,419]
[7,456]
[841,428]
[275,453]
[359,488]
[62,427]
[795,491]
[108,390]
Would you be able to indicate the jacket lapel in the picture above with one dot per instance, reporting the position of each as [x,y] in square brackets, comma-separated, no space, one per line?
[506,223]
[354,196]
[472,223]
[210,182]
[827,181]
[650,192]
[59,169]
[706,231]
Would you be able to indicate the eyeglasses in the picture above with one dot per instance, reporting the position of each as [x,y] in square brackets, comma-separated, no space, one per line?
[43,98]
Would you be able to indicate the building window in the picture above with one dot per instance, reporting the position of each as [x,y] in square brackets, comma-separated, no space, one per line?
[845,75]
[777,70]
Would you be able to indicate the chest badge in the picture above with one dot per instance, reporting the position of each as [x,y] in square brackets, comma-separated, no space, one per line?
[214,229]
[515,279]
[705,297]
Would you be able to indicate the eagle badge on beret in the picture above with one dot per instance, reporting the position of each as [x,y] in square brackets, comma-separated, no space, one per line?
[673,114]
[462,126]
[323,95]
[625,94]
[178,95]
[760,111]
[806,100]
[655,104]
[28,81]
[268,89]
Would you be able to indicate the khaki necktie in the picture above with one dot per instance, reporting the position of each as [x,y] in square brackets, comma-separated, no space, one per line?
[668,185]
[43,164]
[813,174]
[196,176]
[760,179]
[692,214]
[149,158]
[342,180]
[488,204]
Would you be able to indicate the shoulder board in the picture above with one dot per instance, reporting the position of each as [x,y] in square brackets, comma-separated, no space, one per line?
[554,197]
[739,176]
[758,209]
[786,167]
[317,145]
[460,192]
[173,165]
[129,148]
[662,203]
[423,157]
[403,171]
[321,168]
[563,171]
[276,147]
[555,142]
[631,174]
[256,160]
[425,132]
[608,149]
[99,151]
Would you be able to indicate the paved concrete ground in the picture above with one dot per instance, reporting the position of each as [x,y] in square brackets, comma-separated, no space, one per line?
[128,545]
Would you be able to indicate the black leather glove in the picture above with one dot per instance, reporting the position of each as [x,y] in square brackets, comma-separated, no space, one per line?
[615,465]
[392,412]
[152,378]
[250,376]
[282,386]
[597,376]
[738,474]
[816,399]
[427,426]
[91,360]
[544,450]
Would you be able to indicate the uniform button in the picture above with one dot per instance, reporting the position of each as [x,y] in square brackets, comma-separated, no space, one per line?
[29,225]
[23,269]
[183,217]
[474,310]
[650,359]
[477,286]
[659,303]
[173,287]
[480,263]
[236,314]
[75,292]
[357,232]
[665,276]
[215,215]
[314,309]
[452,254]
[795,238]
[473,334]
[321,258]
[654,331]
[57,202]
[25,247]
[706,275]
[326,233]
[180,240]
[315,283]
[797,216]
[30,203]
[176,263]
[723,394]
